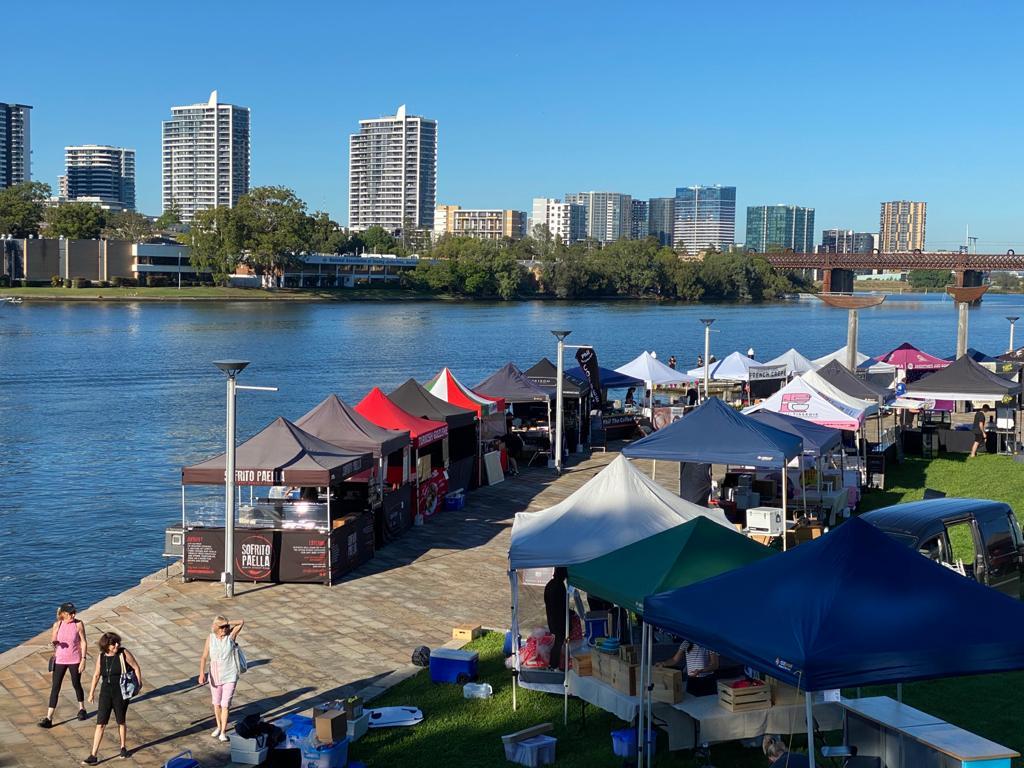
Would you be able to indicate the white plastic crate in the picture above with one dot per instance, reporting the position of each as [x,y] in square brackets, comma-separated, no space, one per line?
[248,756]
[533,752]
[357,728]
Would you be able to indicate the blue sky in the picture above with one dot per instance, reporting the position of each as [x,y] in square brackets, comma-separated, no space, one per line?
[837,105]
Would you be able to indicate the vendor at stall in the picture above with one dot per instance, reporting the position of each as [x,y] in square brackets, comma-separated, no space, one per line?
[701,665]
[554,607]
[775,750]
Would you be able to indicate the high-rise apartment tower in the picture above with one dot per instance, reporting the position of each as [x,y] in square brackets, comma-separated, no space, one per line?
[901,226]
[101,174]
[608,214]
[780,226]
[15,144]
[704,217]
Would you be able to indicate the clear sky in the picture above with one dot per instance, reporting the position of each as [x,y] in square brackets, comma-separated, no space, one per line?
[833,105]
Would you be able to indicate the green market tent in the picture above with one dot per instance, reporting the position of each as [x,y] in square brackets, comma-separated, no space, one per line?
[682,555]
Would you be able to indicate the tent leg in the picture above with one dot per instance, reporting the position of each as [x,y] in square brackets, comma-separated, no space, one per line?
[643,687]
[565,663]
[654,470]
[785,515]
[809,711]
[650,690]
[514,629]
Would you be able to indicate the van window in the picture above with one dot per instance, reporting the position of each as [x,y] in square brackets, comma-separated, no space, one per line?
[935,548]
[961,539]
[999,547]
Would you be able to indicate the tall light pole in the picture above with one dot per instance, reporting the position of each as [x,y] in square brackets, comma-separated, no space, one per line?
[231,368]
[1013,319]
[557,447]
[707,352]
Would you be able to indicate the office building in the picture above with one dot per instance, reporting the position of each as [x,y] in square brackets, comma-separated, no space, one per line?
[15,144]
[608,214]
[392,173]
[565,221]
[780,227]
[205,157]
[443,216]
[638,221]
[484,224]
[704,217]
[661,214]
[847,241]
[101,174]
[901,226]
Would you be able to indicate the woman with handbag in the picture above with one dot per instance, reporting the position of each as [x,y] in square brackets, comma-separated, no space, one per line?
[226,663]
[69,652]
[121,679]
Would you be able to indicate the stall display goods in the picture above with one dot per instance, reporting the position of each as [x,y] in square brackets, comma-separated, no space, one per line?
[743,695]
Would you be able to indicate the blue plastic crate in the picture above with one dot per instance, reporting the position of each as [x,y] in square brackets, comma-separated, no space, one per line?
[624,742]
[325,755]
[452,666]
[296,730]
[455,500]
[183,760]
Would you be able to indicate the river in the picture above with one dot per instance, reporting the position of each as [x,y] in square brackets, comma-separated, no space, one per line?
[101,404]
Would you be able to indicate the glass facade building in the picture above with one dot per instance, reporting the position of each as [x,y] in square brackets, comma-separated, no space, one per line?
[661,213]
[846,241]
[638,220]
[704,217]
[780,227]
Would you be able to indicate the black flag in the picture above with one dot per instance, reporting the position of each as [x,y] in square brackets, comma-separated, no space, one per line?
[587,358]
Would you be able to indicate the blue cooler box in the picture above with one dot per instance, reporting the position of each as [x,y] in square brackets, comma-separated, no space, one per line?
[182,760]
[451,666]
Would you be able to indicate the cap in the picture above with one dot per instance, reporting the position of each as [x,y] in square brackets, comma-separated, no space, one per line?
[68,608]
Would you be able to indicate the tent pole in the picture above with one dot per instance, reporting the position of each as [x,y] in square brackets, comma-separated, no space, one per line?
[784,513]
[514,629]
[654,470]
[564,660]
[809,711]
[649,691]
[642,683]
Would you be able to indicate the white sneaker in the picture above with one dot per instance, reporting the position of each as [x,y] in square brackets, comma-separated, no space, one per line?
[216,732]
[223,737]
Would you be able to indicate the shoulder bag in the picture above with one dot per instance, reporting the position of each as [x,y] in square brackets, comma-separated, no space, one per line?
[240,661]
[129,681]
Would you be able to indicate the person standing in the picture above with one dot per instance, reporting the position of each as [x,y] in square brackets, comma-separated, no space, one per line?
[69,651]
[701,665]
[554,606]
[221,650]
[110,665]
[978,425]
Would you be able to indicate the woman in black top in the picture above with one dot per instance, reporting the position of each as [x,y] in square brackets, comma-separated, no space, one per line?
[980,422]
[109,670]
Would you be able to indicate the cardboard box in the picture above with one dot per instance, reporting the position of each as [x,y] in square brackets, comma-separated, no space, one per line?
[600,663]
[353,708]
[583,664]
[756,696]
[668,685]
[330,722]
[784,694]
[467,632]
[621,675]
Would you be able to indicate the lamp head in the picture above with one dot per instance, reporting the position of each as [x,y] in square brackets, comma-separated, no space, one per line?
[1012,318]
[231,367]
[707,322]
[560,335]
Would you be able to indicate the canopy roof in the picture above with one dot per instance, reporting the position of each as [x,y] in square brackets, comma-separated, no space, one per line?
[713,433]
[794,362]
[414,399]
[616,507]
[544,374]
[854,607]
[734,367]
[907,357]
[511,384]
[976,355]
[800,399]
[609,379]
[840,356]
[384,413]
[678,557]
[282,454]
[867,407]
[836,374]
[818,440]
[445,386]
[648,368]
[341,425]
[963,380]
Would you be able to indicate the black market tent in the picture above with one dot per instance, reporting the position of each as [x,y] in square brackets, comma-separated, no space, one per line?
[714,433]
[854,607]
[610,379]
[545,375]
[963,380]
[512,385]
[817,440]
[282,454]
[836,374]
[340,424]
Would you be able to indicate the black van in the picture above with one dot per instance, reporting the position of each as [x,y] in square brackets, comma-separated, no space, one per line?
[984,535]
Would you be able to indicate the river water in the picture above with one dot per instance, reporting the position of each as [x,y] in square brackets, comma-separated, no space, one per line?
[101,404]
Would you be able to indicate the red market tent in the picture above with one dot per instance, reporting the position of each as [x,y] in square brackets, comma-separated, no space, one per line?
[381,411]
[907,357]
[445,386]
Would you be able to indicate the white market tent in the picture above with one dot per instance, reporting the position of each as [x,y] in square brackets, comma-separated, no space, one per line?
[832,392]
[734,367]
[795,362]
[647,367]
[840,355]
[800,399]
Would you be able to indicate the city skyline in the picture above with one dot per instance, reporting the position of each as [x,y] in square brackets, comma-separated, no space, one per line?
[497,152]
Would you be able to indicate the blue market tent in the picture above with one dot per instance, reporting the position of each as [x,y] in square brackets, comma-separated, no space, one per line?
[854,607]
[976,355]
[818,440]
[714,433]
[609,379]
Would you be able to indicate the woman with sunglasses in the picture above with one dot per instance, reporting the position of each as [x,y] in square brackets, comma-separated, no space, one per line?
[107,675]
[69,650]
[220,650]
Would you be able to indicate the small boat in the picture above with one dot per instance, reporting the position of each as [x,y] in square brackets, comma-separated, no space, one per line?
[13,299]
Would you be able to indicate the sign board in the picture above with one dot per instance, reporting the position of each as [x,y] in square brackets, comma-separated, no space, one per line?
[492,464]
[762,372]
[256,554]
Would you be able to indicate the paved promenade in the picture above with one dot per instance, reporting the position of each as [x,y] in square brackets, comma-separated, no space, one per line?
[304,642]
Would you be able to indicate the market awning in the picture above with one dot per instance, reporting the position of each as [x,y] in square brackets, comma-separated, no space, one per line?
[737,367]
[867,407]
[340,424]
[795,362]
[714,433]
[801,400]
[817,440]
[610,379]
[852,608]
[282,454]
[836,374]
[649,369]
[616,507]
[907,357]
[840,357]
[976,355]
[544,374]
[511,384]
[414,399]
[963,380]
[381,411]
[678,557]
[445,386]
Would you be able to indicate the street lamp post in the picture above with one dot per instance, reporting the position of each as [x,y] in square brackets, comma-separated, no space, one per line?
[557,447]
[231,368]
[707,352]
[1013,319]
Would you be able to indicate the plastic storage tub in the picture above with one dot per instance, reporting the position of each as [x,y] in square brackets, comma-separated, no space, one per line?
[325,755]
[296,731]
[624,742]
[247,756]
[182,760]
[357,728]
[452,666]
[455,500]
[535,751]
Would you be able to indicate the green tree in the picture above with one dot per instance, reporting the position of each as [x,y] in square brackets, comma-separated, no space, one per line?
[215,243]
[378,240]
[22,208]
[327,236]
[75,221]
[171,217]
[128,225]
[929,278]
[1005,281]
[274,229]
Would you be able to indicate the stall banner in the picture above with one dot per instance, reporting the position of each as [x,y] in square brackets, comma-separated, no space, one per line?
[256,554]
[762,372]
[431,493]
[304,557]
[587,358]
[351,543]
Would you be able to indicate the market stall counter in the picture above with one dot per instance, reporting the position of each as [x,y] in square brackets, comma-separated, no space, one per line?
[279,538]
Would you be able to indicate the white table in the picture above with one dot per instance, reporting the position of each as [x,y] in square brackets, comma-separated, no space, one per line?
[600,694]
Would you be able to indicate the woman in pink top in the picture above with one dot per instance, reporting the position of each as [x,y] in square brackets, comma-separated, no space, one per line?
[69,651]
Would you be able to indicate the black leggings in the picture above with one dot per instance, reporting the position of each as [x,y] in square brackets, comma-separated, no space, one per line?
[58,681]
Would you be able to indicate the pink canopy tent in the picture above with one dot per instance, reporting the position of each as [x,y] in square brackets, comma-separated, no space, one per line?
[907,357]
[800,400]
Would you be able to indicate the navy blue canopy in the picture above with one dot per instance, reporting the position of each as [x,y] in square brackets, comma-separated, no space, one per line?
[976,355]
[818,440]
[714,433]
[610,379]
[854,607]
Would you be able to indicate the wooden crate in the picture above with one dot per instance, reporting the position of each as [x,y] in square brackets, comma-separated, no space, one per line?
[743,699]
[668,685]
[583,664]
[621,675]
[467,632]
[629,654]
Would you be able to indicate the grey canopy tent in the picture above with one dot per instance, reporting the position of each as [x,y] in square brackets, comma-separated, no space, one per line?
[963,380]
[545,374]
[836,374]
[514,387]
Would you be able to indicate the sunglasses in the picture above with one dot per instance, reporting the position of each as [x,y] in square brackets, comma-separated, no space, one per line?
[225,627]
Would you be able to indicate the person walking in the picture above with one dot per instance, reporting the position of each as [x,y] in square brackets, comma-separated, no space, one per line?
[112,662]
[979,426]
[221,650]
[69,651]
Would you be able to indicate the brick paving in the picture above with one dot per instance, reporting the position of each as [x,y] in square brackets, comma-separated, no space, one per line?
[305,643]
